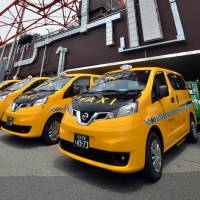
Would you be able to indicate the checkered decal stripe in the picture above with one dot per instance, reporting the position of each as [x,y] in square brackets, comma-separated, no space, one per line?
[166,115]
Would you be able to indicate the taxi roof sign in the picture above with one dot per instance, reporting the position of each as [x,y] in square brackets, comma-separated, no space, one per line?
[126,67]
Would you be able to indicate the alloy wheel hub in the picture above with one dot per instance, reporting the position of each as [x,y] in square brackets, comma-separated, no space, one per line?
[156,155]
[54,130]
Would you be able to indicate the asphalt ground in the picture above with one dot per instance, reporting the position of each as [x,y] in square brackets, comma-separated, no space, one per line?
[31,170]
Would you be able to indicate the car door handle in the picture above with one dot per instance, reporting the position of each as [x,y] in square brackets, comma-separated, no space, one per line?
[173,100]
[177,99]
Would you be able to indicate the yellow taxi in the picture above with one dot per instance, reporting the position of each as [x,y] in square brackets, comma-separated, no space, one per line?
[8,95]
[128,119]
[5,84]
[39,113]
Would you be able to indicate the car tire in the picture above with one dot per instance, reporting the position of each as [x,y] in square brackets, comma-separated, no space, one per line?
[50,134]
[153,158]
[193,135]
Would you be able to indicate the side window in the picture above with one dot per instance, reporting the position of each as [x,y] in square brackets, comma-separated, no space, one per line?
[177,82]
[159,80]
[83,83]
[34,85]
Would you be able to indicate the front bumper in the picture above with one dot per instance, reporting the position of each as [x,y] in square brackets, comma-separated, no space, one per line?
[106,157]
[107,136]
[27,122]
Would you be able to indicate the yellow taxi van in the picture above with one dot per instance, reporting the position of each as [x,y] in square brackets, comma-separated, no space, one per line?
[5,84]
[128,119]
[8,95]
[39,112]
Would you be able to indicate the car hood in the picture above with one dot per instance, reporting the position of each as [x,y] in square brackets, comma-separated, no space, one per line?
[31,97]
[103,102]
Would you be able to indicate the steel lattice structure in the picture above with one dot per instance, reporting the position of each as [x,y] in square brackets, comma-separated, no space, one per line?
[25,15]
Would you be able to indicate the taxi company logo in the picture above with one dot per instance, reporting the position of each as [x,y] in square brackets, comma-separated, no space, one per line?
[85,116]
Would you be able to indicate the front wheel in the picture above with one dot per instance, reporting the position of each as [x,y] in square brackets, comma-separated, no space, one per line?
[193,135]
[51,130]
[154,158]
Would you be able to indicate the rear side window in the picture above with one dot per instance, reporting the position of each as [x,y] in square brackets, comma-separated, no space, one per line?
[177,82]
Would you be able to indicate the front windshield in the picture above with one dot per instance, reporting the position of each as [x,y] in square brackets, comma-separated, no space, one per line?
[53,84]
[19,85]
[122,81]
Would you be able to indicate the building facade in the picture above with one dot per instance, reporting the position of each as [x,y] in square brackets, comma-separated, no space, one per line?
[144,33]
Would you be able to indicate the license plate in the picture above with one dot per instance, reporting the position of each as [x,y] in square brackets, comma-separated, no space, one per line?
[81,141]
[9,121]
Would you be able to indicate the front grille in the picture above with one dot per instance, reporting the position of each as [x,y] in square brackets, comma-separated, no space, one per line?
[111,158]
[16,128]
[85,118]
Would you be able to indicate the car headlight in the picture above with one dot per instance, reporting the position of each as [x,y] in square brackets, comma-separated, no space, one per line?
[124,111]
[70,109]
[40,101]
[3,97]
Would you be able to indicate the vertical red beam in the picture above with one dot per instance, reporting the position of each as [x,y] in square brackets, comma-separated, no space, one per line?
[21,17]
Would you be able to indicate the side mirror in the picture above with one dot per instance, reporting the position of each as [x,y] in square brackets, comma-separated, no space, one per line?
[72,91]
[163,91]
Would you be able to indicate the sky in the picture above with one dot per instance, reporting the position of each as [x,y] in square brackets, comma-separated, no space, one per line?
[28,15]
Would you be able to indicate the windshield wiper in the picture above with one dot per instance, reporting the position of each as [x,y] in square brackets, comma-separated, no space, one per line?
[45,90]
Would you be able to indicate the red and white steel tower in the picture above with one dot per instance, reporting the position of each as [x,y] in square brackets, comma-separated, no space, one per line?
[21,16]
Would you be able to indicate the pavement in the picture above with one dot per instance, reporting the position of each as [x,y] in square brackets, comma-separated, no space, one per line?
[30,170]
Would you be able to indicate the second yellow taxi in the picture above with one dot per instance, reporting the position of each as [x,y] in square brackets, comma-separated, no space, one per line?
[39,112]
